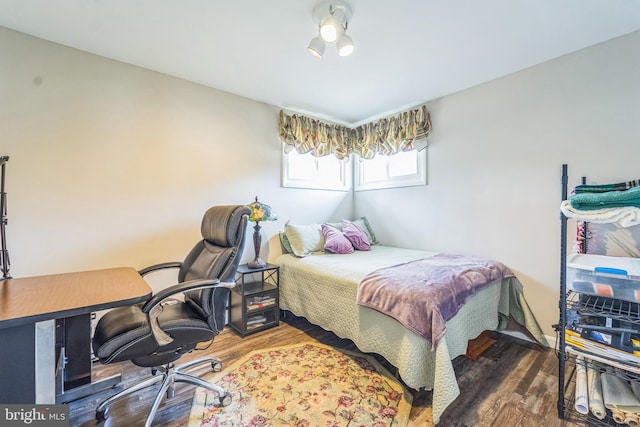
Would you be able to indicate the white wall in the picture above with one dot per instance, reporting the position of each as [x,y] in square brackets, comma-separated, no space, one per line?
[495,157]
[113,165]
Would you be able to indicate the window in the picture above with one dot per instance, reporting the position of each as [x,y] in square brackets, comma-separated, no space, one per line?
[321,173]
[404,169]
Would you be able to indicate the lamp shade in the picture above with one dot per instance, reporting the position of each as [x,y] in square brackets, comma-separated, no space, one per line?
[334,21]
[316,47]
[329,29]
[260,212]
[345,45]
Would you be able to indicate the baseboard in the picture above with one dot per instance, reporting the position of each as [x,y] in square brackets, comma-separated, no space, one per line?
[551,340]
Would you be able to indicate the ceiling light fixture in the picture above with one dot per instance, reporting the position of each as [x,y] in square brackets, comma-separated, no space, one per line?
[333,20]
[345,45]
[317,46]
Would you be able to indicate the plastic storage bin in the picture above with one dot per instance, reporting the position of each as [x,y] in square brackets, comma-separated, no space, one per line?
[607,276]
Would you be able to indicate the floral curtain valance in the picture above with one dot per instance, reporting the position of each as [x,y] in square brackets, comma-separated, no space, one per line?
[404,132]
[313,136]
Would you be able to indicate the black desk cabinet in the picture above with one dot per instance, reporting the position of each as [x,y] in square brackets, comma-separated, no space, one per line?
[255,299]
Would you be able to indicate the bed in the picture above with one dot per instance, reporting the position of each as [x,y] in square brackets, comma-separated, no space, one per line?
[323,287]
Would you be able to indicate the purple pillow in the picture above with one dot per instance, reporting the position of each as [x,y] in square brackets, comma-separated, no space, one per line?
[357,236]
[334,240]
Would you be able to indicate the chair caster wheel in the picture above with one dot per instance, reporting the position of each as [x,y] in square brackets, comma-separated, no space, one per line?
[216,366]
[225,399]
[102,415]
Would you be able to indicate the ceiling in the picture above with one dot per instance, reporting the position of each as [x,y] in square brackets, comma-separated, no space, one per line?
[407,51]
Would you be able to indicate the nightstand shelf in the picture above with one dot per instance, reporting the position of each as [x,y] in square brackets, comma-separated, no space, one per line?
[255,299]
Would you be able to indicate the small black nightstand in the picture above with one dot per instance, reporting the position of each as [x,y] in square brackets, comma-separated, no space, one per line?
[255,299]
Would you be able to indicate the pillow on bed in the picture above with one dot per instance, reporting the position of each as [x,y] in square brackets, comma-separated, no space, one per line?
[304,239]
[356,235]
[284,243]
[335,241]
[336,225]
[363,223]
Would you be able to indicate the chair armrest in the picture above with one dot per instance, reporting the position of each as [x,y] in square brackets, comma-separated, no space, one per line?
[190,285]
[153,307]
[161,266]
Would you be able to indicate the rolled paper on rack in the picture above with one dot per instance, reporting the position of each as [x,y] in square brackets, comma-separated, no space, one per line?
[596,404]
[618,416]
[631,419]
[618,396]
[635,388]
[582,394]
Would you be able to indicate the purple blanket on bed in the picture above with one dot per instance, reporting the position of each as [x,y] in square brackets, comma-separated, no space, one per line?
[424,294]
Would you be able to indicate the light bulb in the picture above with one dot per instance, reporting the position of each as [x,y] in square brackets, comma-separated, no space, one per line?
[328,30]
[331,25]
[345,45]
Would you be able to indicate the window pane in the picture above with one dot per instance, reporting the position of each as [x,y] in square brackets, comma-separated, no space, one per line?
[307,171]
[301,166]
[398,170]
[374,169]
[329,169]
[403,163]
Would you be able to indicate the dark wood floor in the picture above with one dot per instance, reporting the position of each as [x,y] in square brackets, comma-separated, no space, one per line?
[513,384]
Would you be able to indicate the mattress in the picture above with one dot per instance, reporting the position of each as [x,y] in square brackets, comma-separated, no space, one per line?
[322,288]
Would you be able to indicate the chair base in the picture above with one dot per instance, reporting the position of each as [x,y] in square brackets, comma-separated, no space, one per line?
[170,375]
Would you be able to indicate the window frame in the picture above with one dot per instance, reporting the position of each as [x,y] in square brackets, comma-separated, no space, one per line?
[343,183]
[417,179]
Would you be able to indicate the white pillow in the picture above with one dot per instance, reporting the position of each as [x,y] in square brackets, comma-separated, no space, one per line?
[305,239]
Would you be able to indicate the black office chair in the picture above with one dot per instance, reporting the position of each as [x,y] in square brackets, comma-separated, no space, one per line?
[160,331]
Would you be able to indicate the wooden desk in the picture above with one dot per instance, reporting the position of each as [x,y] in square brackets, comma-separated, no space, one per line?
[29,309]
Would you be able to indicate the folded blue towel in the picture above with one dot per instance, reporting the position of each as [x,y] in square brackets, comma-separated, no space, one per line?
[610,199]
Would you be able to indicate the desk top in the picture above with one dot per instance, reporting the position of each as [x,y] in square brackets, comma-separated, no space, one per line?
[35,299]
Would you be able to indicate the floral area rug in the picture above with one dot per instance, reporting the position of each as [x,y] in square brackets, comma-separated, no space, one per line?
[306,384]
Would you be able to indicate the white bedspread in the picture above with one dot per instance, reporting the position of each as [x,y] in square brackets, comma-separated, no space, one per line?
[323,287]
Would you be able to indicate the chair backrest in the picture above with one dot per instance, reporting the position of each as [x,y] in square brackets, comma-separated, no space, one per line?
[217,255]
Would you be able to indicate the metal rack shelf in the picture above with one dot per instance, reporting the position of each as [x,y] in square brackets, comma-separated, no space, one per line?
[570,414]
[587,305]
[604,306]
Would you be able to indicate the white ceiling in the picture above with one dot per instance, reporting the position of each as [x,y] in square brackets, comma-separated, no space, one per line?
[407,51]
